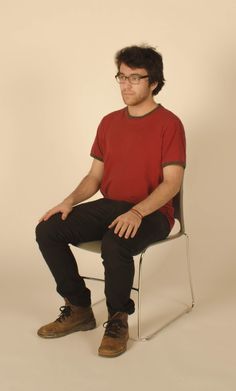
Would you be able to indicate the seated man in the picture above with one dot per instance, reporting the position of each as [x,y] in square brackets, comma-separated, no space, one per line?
[138,165]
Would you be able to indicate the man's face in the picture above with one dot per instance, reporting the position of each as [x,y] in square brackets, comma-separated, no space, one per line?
[135,94]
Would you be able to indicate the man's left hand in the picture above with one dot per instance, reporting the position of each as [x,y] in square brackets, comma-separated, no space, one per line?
[126,225]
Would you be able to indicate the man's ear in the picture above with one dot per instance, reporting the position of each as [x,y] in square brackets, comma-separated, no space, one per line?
[153,85]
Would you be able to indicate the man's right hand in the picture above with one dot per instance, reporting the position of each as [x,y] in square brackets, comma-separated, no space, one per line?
[64,208]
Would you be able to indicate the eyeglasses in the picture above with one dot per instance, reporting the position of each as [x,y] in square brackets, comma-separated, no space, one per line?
[133,79]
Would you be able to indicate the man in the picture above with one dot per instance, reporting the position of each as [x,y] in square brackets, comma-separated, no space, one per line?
[138,165]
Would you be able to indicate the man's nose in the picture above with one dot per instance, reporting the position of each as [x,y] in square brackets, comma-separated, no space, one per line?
[126,84]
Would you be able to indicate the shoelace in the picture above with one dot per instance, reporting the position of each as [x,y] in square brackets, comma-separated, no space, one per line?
[65,313]
[113,327]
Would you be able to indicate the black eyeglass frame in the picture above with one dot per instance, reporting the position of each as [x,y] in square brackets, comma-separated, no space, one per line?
[128,78]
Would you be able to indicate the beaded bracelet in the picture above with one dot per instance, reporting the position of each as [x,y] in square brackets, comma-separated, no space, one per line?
[137,213]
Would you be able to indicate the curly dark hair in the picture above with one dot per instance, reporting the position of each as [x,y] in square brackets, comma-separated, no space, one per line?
[143,57]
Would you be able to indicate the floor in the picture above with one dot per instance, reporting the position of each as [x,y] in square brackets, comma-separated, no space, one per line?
[196,352]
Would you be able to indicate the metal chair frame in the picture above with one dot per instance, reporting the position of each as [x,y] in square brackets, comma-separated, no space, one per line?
[95,246]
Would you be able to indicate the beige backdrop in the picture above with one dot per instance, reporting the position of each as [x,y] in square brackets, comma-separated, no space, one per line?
[56,83]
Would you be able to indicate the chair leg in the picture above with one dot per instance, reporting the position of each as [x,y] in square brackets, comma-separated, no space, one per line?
[95,279]
[189,270]
[139,291]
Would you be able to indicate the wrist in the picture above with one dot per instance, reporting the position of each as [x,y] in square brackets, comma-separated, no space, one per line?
[68,201]
[137,213]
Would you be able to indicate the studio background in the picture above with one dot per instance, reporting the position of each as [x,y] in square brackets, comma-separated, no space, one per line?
[56,83]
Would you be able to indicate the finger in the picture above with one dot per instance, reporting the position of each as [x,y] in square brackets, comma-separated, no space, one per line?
[64,215]
[123,229]
[133,233]
[128,231]
[47,216]
[114,222]
[135,229]
[43,218]
[118,227]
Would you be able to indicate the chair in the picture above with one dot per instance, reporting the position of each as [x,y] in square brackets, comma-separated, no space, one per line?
[178,308]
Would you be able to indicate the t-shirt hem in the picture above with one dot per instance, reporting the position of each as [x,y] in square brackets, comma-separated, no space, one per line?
[174,163]
[96,157]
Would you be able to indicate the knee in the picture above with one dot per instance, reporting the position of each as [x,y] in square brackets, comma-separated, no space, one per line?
[50,229]
[41,231]
[46,229]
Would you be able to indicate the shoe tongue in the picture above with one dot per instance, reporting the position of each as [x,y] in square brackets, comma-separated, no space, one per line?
[65,313]
[72,306]
[114,316]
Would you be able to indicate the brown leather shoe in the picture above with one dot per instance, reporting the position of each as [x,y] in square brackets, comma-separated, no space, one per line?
[71,319]
[115,338]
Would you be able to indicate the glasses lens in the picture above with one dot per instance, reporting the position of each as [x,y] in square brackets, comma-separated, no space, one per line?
[120,78]
[134,79]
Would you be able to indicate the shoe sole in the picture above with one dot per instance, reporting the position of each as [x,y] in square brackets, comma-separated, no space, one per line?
[111,355]
[81,327]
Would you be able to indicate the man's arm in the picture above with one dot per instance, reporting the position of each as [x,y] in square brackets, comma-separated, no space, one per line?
[128,223]
[89,185]
[172,181]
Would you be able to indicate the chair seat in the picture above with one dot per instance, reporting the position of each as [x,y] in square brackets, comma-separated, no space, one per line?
[95,246]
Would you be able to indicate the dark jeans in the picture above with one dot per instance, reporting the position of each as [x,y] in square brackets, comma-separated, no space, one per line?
[87,222]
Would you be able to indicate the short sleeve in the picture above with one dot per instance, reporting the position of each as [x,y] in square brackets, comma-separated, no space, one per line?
[174,144]
[97,149]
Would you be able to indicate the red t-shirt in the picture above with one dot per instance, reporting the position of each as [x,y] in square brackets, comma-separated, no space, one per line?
[134,151]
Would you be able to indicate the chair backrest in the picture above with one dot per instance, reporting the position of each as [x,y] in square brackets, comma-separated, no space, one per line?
[178,209]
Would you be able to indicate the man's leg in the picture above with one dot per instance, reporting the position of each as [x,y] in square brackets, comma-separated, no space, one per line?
[117,254]
[85,223]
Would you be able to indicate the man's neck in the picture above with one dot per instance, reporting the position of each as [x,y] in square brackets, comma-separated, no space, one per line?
[141,110]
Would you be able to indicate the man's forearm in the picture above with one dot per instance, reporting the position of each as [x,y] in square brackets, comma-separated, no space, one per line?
[86,189]
[159,197]
[172,181]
